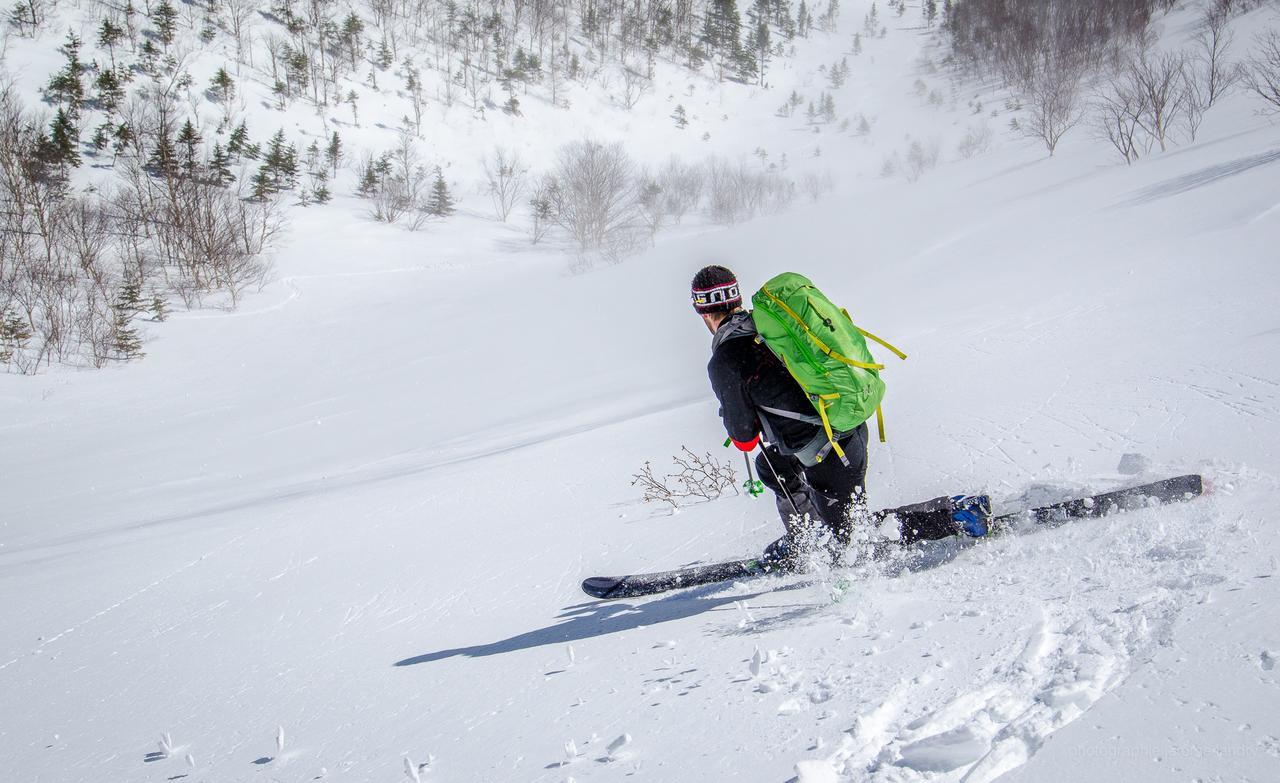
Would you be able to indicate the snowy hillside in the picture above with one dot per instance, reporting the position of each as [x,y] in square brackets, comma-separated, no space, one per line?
[338,533]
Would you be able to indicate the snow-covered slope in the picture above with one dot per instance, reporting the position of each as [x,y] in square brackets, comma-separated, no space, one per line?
[357,509]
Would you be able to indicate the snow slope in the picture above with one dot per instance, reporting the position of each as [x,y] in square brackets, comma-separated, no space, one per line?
[357,510]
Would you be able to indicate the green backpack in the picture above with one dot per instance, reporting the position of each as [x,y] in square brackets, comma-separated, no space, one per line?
[824,351]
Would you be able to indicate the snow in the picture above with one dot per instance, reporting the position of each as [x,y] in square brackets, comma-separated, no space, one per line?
[339,532]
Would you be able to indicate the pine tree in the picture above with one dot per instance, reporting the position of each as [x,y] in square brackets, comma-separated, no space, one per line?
[440,202]
[110,93]
[803,20]
[164,159]
[220,166]
[238,141]
[333,153]
[65,87]
[188,139]
[368,181]
[679,115]
[159,307]
[759,37]
[165,17]
[223,86]
[262,186]
[64,140]
[125,340]
[14,334]
[353,99]
[721,31]
[109,34]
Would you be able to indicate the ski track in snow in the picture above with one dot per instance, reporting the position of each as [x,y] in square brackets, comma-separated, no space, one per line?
[46,641]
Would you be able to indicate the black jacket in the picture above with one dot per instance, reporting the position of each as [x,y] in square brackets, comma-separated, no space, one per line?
[745,376]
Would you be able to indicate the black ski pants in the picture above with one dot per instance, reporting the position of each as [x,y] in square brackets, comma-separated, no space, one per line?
[827,491]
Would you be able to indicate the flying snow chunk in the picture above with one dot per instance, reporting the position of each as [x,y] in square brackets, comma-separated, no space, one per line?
[617,745]
[815,772]
[1133,464]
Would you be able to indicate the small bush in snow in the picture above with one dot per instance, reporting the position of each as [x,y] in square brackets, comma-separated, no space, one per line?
[697,477]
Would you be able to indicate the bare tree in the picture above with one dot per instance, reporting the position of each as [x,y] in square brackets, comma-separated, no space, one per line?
[596,194]
[1262,71]
[1053,101]
[239,17]
[1213,40]
[634,87]
[506,175]
[1160,83]
[1116,117]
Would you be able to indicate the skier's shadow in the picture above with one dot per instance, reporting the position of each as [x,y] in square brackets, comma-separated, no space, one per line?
[585,621]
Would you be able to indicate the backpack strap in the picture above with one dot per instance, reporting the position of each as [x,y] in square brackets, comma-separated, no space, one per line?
[826,349]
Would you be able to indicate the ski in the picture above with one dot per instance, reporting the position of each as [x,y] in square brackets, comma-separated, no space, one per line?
[1171,490]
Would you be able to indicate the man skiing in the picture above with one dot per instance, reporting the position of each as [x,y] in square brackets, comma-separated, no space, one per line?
[759,396]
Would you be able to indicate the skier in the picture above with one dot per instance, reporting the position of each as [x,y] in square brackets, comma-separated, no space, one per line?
[759,397]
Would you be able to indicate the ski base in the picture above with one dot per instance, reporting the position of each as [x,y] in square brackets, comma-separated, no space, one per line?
[1156,493]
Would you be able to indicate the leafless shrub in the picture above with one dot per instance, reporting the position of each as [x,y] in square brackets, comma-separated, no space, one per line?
[1012,39]
[1262,70]
[1159,83]
[1215,76]
[682,187]
[1116,117]
[506,175]
[736,192]
[596,194]
[816,184]
[697,477]
[977,140]
[634,87]
[1053,100]
[204,237]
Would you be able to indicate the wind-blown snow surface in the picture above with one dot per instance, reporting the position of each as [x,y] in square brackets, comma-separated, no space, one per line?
[357,510]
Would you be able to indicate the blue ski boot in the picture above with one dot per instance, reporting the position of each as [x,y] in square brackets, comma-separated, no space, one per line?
[971,514]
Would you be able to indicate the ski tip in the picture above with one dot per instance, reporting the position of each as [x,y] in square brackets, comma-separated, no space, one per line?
[600,586]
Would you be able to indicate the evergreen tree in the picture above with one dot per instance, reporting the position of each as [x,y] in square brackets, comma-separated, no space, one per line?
[110,93]
[440,202]
[223,86]
[65,87]
[101,136]
[123,138]
[238,141]
[64,139]
[721,31]
[220,166]
[163,160]
[759,36]
[14,334]
[262,186]
[803,20]
[333,153]
[109,34]
[679,115]
[159,308]
[125,340]
[188,139]
[368,181]
[165,17]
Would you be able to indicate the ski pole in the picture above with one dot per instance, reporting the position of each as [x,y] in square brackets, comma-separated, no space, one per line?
[778,479]
[753,485]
